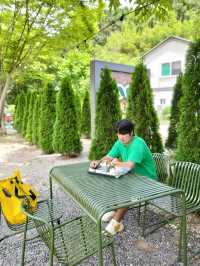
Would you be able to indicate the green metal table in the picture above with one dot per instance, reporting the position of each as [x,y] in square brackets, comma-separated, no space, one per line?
[97,195]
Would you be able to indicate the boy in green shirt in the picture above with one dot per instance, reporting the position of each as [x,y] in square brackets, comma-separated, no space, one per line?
[130,152]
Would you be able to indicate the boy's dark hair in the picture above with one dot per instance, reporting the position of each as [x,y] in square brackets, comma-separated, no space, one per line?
[124,126]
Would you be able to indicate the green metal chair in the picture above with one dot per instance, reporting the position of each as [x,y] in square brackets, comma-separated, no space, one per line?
[43,205]
[71,241]
[162,166]
[162,170]
[184,176]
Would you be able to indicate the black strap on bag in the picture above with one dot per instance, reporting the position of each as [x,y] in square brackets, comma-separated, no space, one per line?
[18,188]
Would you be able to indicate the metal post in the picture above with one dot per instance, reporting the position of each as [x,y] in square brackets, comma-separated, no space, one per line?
[52,246]
[183,234]
[24,242]
[100,252]
[50,187]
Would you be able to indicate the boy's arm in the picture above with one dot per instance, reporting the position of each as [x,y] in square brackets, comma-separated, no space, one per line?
[129,164]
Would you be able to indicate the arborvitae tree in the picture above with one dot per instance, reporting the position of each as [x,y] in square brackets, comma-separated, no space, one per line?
[26,112]
[86,116]
[16,114]
[29,130]
[188,140]
[175,114]
[141,110]
[66,139]
[47,118]
[39,117]
[107,114]
[19,111]
[36,119]
[78,111]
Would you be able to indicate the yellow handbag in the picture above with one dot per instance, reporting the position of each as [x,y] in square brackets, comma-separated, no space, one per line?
[12,192]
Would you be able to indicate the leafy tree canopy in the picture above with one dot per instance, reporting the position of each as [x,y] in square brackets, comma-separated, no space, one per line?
[134,38]
[29,29]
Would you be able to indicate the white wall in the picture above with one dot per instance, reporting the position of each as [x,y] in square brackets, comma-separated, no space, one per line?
[170,51]
[158,95]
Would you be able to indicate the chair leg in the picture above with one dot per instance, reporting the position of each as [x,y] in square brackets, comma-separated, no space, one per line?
[180,243]
[51,248]
[113,254]
[183,241]
[139,214]
[144,219]
[24,243]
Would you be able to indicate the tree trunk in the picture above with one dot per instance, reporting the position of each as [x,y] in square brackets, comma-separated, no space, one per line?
[3,98]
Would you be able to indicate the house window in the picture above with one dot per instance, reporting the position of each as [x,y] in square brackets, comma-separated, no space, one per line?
[162,101]
[165,69]
[176,67]
[170,69]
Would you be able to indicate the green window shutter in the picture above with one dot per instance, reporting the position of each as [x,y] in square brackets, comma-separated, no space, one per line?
[165,70]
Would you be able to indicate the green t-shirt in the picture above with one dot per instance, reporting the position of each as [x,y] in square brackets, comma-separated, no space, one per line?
[138,152]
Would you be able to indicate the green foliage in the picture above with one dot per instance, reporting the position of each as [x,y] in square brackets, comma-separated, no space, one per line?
[40,110]
[47,118]
[188,141]
[18,117]
[66,139]
[26,112]
[16,113]
[141,110]
[29,129]
[35,30]
[36,120]
[107,114]
[77,67]
[78,111]
[86,116]
[134,38]
[10,108]
[185,9]
[175,114]
[166,113]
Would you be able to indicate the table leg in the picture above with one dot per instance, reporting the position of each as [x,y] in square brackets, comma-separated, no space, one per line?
[100,252]
[183,233]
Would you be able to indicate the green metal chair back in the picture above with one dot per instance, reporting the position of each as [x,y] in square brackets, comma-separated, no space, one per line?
[186,176]
[71,241]
[162,166]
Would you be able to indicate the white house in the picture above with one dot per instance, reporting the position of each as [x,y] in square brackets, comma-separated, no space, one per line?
[164,62]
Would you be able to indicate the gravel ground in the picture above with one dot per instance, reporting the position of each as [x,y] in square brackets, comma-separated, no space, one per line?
[160,248]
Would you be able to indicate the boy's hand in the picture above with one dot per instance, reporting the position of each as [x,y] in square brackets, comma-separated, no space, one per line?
[115,160]
[94,164]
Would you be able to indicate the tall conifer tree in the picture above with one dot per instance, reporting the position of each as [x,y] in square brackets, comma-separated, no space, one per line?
[66,139]
[188,141]
[26,112]
[86,116]
[141,110]
[78,111]
[29,130]
[107,114]
[47,118]
[36,119]
[16,114]
[175,114]
[19,111]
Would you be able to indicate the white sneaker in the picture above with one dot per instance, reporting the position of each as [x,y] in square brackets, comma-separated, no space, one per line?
[114,227]
[107,216]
